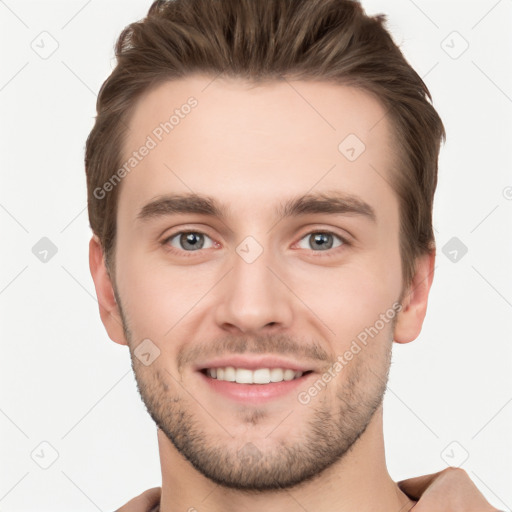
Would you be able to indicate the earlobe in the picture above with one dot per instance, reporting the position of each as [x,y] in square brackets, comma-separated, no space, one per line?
[109,310]
[414,304]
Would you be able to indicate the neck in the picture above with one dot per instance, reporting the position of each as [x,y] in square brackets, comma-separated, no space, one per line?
[359,481]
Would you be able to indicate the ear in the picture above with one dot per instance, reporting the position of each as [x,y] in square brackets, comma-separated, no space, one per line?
[414,303]
[109,310]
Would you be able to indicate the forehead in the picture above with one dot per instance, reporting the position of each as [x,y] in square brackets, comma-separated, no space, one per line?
[235,140]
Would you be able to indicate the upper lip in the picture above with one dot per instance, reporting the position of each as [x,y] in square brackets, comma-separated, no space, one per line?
[254,362]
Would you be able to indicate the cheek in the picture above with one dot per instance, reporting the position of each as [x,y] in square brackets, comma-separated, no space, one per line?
[154,298]
[350,298]
[159,297]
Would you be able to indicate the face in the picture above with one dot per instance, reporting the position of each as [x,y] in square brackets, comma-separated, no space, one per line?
[257,261]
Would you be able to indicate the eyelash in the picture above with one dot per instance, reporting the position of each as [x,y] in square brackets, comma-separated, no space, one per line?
[188,254]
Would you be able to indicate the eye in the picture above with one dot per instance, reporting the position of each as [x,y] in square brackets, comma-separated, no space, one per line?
[322,240]
[193,241]
[189,241]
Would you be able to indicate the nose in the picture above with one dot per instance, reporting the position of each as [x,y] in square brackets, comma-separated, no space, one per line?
[254,296]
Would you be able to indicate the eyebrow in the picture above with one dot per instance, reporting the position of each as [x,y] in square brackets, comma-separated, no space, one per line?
[332,203]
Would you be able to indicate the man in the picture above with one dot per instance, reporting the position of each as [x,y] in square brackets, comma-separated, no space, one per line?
[260,183]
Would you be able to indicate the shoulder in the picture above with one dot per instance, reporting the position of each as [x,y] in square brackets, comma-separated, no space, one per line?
[148,501]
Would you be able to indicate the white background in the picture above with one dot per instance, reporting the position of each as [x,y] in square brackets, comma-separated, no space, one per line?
[63,382]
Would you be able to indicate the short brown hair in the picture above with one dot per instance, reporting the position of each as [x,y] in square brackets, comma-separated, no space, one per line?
[266,40]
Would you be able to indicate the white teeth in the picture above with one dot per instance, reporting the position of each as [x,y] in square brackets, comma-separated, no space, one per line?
[289,374]
[276,375]
[244,376]
[230,374]
[259,376]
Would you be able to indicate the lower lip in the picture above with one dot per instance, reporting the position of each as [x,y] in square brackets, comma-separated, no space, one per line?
[253,393]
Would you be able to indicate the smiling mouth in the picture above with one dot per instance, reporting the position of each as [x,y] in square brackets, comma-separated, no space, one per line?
[256,376]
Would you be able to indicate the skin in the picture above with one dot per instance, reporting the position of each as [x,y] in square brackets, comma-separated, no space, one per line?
[449,490]
[294,300]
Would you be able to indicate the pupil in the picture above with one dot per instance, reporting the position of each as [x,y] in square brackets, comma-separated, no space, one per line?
[192,239]
[320,238]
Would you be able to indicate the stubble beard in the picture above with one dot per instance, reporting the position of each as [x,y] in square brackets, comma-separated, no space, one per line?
[331,429]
